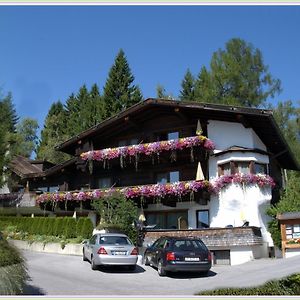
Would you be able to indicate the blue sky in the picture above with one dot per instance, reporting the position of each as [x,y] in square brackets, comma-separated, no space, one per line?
[48,52]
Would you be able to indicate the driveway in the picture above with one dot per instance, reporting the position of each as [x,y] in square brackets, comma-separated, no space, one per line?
[54,274]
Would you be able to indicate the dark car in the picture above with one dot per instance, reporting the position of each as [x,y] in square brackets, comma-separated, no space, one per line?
[176,254]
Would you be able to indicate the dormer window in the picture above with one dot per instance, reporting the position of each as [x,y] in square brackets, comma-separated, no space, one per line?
[242,167]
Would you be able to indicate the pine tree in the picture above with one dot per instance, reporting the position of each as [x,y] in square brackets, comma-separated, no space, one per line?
[237,76]
[72,108]
[188,85]
[8,114]
[53,133]
[119,90]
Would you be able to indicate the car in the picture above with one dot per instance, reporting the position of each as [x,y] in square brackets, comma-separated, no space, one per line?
[110,249]
[176,254]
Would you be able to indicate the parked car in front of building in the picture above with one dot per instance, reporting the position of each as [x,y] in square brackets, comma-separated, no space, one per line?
[177,254]
[110,249]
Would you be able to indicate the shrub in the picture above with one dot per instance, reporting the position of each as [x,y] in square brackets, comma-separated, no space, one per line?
[69,227]
[87,228]
[118,210]
[58,226]
[12,270]
[286,286]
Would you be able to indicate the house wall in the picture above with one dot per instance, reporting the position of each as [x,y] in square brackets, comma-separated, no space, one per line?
[227,134]
[236,204]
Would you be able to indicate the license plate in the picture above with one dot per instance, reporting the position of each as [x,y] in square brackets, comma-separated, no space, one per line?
[192,259]
[118,252]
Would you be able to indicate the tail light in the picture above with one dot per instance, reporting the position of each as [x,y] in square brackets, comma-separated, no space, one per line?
[209,256]
[170,256]
[102,251]
[135,251]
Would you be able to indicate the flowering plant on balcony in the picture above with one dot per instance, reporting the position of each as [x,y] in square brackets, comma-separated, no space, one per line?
[153,190]
[149,148]
[294,241]
[261,180]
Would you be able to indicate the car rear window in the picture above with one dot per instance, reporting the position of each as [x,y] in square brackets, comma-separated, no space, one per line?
[114,240]
[189,245]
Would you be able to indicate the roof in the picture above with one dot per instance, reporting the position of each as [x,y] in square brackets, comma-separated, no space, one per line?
[288,216]
[240,149]
[260,120]
[26,168]
[23,166]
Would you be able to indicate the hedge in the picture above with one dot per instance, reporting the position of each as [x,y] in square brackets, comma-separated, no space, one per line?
[283,287]
[66,227]
[12,270]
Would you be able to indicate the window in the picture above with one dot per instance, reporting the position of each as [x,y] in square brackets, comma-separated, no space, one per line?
[202,219]
[173,135]
[260,168]
[292,231]
[243,167]
[166,177]
[168,136]
[104,183]
[128,142]
[93,240]
[166,220]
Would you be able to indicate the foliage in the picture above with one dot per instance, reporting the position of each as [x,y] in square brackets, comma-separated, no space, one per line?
[188,87]
[161,93]
[84,228]
[289,202]
[237,76]
[119,90]
[286,286]
[287,117]
[70,228]
[117,210]
[53,133]
[66,227]
[12,269]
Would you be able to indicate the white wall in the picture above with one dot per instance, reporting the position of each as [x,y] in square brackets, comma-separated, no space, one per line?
[291,252]
[227,134]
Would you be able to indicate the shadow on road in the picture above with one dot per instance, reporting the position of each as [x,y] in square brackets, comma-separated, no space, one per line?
[185,275]
[121,269]
[29,289]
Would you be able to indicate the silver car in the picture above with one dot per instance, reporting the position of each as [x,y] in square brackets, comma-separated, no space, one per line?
[107,249]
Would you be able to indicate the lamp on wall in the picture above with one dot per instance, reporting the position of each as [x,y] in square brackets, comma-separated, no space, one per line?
[199,130]
[199,174]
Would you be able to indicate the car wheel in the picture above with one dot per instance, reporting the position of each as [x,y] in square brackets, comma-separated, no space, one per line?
[83,256]
[93,265]
[160,270]
[146,261]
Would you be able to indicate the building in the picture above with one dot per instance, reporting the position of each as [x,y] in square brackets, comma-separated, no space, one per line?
[184,184]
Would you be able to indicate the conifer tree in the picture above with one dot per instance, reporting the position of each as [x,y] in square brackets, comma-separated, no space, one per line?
[53,133]
[119,90]
[188,85]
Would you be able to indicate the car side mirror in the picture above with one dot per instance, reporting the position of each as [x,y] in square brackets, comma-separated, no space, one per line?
[85,242]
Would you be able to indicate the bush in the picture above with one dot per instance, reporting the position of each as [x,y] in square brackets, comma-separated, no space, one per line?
[118,210]
[58,226]
[12,270]
[87,228]
[69,227]
[286,286]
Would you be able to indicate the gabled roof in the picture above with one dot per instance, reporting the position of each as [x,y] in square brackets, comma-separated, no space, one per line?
[260,120]
[241,149]
[26,168]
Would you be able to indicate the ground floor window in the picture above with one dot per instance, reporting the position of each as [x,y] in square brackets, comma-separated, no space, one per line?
[168,219]
[202,218]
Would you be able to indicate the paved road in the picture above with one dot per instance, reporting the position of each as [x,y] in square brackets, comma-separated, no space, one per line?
[54,274]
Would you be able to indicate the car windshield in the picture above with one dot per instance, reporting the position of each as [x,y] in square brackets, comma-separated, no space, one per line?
[114,240]
[188,245]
